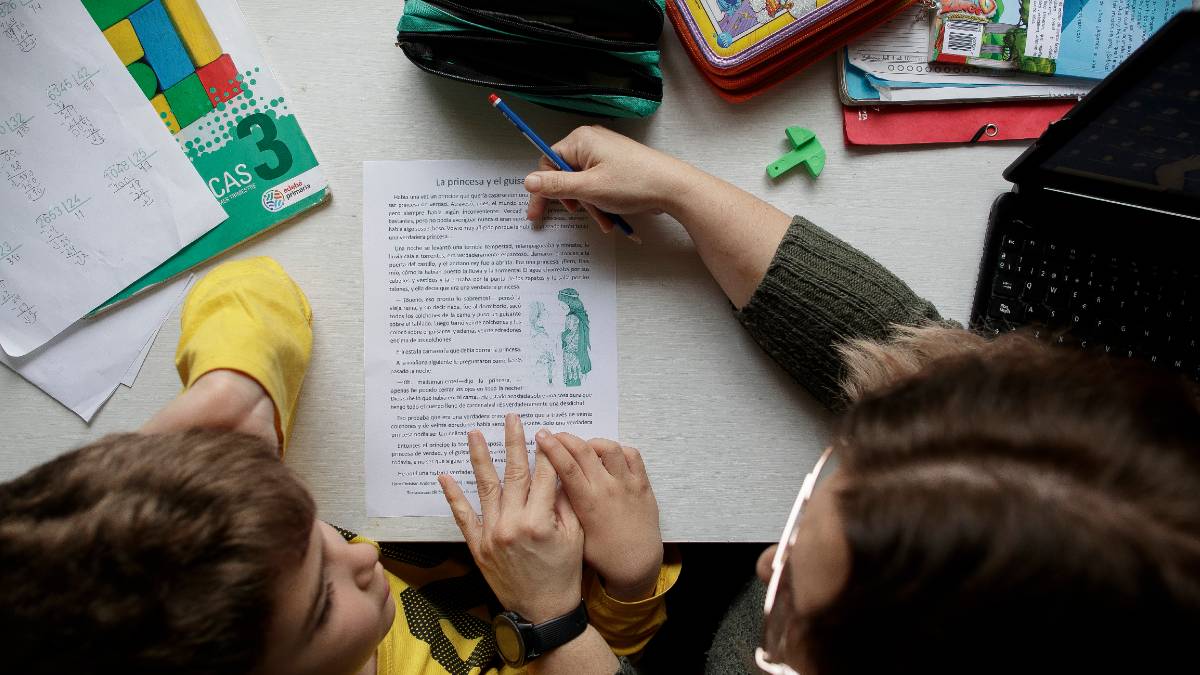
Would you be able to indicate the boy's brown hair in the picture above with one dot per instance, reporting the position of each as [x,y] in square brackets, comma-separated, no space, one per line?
[148,554]
[1012,508]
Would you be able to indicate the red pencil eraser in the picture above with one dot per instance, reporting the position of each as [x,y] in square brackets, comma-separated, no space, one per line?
[492,98]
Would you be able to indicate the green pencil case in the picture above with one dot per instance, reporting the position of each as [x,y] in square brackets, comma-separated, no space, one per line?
[597,58]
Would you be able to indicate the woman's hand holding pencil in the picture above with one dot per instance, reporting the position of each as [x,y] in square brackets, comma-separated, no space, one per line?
[602,172]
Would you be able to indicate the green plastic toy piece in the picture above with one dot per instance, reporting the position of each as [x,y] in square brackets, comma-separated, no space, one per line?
[806,150]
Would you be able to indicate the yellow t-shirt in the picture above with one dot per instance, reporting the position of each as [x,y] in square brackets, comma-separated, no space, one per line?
[444,612]
[249,316]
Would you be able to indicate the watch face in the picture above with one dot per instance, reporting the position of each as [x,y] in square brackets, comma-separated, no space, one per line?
[508,640]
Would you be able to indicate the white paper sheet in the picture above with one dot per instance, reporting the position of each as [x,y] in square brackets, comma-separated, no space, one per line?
[899,50]
[956,93]
[468,317]
[82,367]
[134,368]
[94,190]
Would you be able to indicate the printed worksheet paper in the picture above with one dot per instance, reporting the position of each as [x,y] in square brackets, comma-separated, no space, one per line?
[470,313]
[94,191]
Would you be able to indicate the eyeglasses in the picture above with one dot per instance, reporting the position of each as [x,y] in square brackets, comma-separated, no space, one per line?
[778,609]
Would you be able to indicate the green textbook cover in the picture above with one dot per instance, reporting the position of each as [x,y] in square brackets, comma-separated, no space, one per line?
[199,66]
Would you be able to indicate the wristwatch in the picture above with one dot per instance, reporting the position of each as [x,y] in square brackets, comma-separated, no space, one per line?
[520,641]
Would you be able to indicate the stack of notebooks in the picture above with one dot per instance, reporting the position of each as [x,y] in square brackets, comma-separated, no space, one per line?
[984,70]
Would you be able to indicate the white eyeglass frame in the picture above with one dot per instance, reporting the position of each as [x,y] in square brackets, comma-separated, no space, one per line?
[761,658]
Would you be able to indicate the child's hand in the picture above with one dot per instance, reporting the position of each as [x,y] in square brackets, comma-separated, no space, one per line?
[615,174]
[529,544]
[611,494]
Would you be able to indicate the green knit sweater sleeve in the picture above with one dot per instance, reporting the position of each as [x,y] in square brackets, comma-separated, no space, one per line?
[818,293]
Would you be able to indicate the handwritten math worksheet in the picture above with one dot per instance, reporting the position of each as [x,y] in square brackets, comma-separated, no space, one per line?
[470,313]
[94,191]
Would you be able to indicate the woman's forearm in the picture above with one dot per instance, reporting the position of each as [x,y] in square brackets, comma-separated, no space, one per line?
[736,233]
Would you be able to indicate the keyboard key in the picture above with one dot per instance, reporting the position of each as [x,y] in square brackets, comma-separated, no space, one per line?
[1034,314]
[1010,243]
[1000,308]
[1004,286]
[1057,297]
[1033,291]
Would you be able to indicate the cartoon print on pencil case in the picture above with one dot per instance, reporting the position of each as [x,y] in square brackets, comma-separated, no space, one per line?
[735,18]
[576,339]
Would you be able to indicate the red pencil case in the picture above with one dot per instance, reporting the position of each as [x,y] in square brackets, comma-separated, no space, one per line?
[744,47]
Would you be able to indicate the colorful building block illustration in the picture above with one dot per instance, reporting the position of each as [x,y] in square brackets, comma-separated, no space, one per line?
[124,41]
[144,76]
[188,100]
[171,53]
[164,50]
[107,12]
[220,79]
[165,113]
[193,28]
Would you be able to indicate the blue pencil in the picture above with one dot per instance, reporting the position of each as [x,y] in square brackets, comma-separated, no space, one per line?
[553,157]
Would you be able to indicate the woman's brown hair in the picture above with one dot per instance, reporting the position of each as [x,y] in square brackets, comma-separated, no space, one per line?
[1013,508]
[148,554]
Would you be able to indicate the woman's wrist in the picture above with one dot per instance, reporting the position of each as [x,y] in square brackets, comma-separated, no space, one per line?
[587,654]
[543,610]
[679,183]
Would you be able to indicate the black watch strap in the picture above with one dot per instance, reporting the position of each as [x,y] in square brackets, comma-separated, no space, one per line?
[556,632]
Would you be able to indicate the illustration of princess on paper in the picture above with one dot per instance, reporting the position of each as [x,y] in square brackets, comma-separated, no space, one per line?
[576,342]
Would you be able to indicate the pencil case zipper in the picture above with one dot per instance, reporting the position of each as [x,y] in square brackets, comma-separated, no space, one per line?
[548,33]
[414,41]
[856,11]
[733,78]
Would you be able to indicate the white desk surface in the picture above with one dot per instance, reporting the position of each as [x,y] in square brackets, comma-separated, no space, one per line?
[727,435]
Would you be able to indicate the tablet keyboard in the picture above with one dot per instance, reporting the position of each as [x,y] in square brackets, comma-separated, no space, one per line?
[1100,299]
